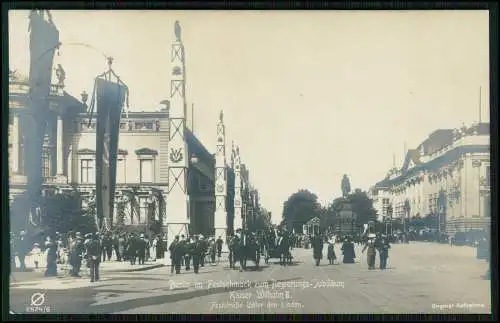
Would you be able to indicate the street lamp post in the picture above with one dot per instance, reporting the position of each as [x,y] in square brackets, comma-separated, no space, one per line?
[406,217]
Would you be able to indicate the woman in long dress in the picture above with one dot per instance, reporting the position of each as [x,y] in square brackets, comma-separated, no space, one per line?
[51,250]
[153,244]
[348,251]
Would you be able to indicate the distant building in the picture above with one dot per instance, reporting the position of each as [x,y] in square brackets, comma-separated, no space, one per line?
[447,174]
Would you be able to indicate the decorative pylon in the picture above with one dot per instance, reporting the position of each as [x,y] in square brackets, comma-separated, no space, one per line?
[220,217]
[238,220]
[178,205]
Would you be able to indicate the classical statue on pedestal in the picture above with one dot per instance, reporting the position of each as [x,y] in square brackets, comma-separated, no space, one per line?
[345,186]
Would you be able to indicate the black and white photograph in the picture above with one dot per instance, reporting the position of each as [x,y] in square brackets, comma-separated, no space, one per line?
[249,162]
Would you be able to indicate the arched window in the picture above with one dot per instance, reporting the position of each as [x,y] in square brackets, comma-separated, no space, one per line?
[46,158]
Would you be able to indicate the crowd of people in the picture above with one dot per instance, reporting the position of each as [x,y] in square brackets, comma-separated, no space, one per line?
[372,244]
[185,252]
[90,250]
[76,249]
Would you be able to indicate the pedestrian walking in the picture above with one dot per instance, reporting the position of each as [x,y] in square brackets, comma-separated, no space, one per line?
[22,247]
[107,246]
[196,250]
[212,250]
[51,250]
[187,246]
[331,253]
[348,251]
[94,253]
[219,243]
[317,245]
[115,241]
[142,244]
[76,251]
[174,256]
[371,251]
[132,248]
[383,252]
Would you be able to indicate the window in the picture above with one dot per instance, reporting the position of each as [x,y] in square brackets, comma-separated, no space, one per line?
[128,218]
[144,125]
[21,155]
[46,169]
[487,206]
[487,176]
[146,171]
[143,210]
[87,171]
[120,171]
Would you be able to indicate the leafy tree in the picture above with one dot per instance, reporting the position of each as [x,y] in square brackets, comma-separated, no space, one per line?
[262,220]
[60,213]
[362,205]
[300,208]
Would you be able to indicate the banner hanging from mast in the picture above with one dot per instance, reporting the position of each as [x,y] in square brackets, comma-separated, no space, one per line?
[110,99]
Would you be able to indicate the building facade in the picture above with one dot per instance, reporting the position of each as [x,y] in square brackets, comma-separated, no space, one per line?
[448,175]
[68,160]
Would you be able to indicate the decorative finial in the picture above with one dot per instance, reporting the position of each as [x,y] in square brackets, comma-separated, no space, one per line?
[177,30]
[110,62]
[221,116]
[61,75]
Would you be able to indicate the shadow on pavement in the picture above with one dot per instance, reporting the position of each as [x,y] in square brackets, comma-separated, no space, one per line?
[293,263]
[165,299]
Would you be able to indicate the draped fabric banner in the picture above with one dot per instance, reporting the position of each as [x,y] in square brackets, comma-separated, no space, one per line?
[110,98]
[43,41]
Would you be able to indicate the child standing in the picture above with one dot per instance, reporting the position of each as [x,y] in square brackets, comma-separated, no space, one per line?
[331,253]
[36,252]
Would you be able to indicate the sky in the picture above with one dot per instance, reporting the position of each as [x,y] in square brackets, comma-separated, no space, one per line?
[307,95]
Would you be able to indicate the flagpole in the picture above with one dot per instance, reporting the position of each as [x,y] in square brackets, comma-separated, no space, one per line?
[480,88]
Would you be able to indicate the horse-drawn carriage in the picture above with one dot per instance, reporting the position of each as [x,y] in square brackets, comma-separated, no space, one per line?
[242,249]
[279,250]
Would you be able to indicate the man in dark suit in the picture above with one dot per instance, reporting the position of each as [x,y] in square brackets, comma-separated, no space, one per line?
[94,252]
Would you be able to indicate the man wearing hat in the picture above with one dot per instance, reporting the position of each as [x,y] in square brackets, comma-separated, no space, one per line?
[383,251]
[22,247]
[219,243]
[233,245]
[371,251]
[203,242]
[141,248]
[75,254]
[175,256]
[188,248]
[94,253]
[317,245]
[196,253]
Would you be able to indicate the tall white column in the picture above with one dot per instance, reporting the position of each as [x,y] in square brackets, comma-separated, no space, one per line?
[15,145]
[220,217]
[238,220]
[60,147]
[177,201]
